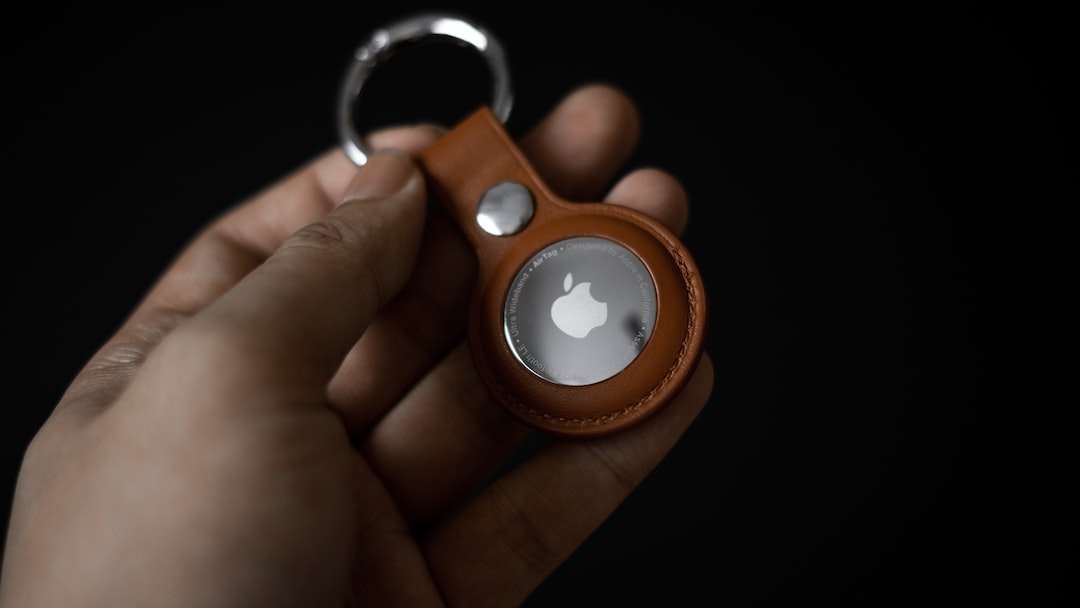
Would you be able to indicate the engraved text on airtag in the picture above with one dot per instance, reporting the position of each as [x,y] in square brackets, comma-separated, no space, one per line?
[579,311]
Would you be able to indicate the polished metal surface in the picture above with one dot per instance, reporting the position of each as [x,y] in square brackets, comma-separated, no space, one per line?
[384,41]
[580,311]
[505,209]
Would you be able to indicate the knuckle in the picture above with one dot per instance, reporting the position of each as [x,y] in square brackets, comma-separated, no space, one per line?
[521,535]
[121,359]
[109,372]
[333,234]
[614,460]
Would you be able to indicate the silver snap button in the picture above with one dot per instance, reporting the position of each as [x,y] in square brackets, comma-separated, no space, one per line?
[505,209]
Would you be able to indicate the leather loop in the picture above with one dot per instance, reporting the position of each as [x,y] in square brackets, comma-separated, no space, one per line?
[461,166]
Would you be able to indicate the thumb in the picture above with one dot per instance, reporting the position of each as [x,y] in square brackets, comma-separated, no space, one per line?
[312,299]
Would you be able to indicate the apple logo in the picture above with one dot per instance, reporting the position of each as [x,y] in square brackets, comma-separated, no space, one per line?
[577,313]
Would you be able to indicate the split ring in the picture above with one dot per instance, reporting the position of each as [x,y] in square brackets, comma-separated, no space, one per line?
[382,44]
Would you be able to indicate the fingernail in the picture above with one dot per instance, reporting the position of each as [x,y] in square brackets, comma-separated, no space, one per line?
[385,173]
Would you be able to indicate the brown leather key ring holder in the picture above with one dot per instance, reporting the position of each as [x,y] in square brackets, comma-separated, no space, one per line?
[586,318]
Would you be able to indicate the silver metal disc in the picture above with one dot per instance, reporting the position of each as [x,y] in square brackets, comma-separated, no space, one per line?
[579,311]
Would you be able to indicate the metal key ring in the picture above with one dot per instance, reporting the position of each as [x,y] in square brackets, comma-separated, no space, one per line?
[384,41]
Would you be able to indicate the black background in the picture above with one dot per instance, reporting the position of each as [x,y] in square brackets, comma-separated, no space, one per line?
[870,192]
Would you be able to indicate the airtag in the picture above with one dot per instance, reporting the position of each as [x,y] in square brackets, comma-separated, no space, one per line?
[586,318]
[579,311]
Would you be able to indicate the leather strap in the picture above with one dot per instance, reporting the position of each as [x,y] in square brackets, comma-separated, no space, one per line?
[461,166]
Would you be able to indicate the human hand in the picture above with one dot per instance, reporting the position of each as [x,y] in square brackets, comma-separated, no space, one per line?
[290,417]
